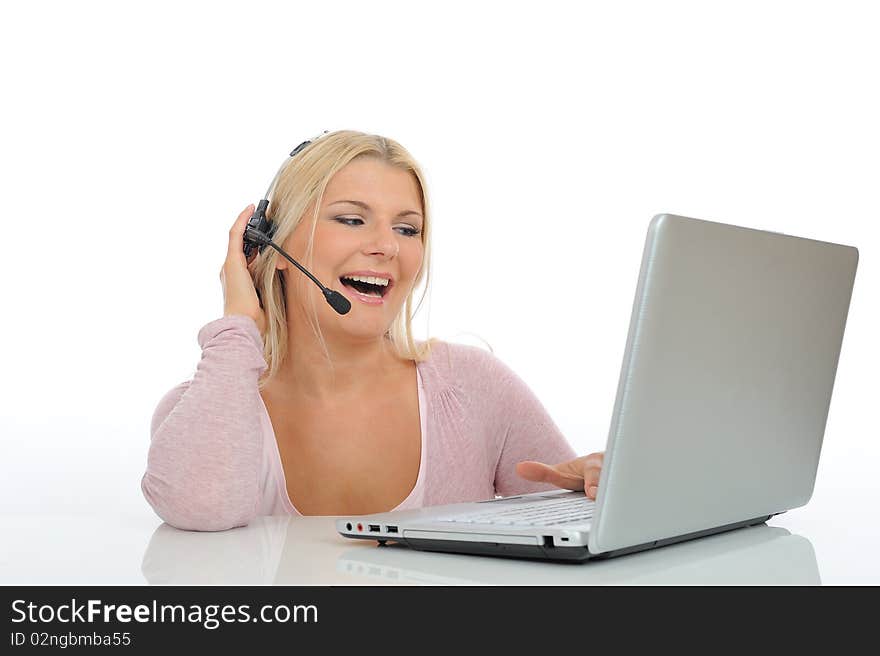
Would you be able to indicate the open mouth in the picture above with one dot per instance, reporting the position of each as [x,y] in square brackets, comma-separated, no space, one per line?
[367,285]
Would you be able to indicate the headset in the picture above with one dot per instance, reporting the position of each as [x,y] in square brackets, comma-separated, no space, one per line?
[259,232]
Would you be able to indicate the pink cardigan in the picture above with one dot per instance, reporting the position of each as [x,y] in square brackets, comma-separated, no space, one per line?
[214,464]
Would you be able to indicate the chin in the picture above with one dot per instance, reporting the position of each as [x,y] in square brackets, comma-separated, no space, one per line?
[354,324]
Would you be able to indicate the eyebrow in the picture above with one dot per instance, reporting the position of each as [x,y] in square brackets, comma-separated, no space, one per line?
[367,207]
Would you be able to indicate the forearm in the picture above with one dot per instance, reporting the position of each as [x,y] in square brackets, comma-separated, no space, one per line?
[206,443]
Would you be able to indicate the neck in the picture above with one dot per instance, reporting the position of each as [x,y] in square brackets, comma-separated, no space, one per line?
[353,368]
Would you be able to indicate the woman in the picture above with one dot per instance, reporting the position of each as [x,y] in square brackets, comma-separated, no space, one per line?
[296,409]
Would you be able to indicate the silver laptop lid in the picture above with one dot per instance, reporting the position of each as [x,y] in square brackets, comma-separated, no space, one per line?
[726,380]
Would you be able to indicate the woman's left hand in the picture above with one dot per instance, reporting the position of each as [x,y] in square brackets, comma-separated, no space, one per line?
[578,474]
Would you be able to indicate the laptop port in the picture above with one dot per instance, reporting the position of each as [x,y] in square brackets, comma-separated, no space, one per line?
[391,529]
[374,528]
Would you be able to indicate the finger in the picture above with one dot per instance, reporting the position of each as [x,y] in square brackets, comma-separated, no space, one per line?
[236,232]
[577,466]
[591,481]
[591,476]
[541,473]
[252,262]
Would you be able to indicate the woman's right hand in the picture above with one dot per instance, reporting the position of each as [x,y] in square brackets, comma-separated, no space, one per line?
[236,276]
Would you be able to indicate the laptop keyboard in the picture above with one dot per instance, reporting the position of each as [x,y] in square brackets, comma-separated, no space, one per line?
[539,513]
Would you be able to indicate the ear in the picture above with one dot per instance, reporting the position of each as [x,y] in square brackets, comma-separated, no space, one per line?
[281,263]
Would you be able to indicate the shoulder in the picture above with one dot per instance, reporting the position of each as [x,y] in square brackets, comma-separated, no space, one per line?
[449,355]
[463,364]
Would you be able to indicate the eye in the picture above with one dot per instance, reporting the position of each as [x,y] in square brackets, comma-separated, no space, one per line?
[408,231]
[349,220]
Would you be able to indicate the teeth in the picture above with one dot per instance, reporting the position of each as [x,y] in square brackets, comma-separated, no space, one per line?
[370,279]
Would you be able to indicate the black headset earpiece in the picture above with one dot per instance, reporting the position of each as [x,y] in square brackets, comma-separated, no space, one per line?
[260,231]
[261,224]
[258,220]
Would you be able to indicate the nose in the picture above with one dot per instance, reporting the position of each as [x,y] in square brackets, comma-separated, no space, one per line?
[382,243]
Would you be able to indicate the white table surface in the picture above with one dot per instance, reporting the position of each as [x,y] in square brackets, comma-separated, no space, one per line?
[832,540]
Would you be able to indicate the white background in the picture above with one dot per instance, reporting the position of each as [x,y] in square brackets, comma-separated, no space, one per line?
[550,134]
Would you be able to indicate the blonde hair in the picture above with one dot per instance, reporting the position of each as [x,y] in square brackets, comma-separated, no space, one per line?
[301,182]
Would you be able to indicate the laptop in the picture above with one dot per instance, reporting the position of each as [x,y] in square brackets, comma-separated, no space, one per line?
[720,412]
